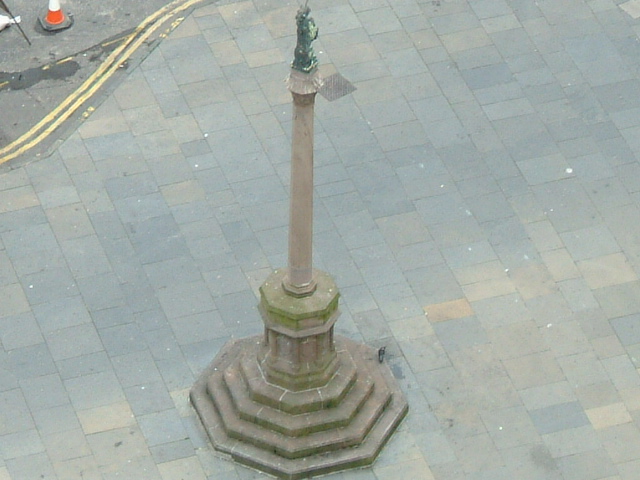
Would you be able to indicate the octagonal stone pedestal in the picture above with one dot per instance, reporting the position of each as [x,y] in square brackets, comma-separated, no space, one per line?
[297,402]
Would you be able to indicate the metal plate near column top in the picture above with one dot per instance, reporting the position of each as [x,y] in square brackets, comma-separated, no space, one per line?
[336,86]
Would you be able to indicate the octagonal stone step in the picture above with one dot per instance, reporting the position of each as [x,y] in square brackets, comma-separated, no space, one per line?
[296,425]
[298,446]
[313,463]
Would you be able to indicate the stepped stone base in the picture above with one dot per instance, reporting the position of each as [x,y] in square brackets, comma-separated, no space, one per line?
[298,434]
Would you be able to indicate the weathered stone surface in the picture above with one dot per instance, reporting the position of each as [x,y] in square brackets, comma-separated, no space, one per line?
[343,434]
[299,353]
[304,401]
[274,418]
[289,314]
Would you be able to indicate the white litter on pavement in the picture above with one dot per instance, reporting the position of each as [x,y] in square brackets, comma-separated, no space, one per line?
[6,21]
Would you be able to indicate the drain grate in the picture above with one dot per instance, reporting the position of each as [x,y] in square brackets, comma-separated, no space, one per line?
[336,86]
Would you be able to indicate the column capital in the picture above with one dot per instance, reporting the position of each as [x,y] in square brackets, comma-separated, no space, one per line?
[304,83]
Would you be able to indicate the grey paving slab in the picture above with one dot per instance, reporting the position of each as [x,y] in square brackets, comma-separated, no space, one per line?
[20,330]
[198,327]
[620,442]
[583,368]
[622,371]
[626,329]
[558,417]
[460,332]
[21,419]
[136,368]
[162,427]
[588,465]
[559,199]
[30,361]
[148,398]
[83,365]
[85,257]
[73,341]
[30,466]
[22,444]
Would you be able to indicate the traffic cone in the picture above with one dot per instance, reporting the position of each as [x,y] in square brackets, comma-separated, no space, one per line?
[54,18]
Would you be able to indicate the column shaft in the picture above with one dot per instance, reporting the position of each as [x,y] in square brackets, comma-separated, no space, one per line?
[300,276]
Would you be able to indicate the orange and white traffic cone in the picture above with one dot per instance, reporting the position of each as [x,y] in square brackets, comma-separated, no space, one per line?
[54,18]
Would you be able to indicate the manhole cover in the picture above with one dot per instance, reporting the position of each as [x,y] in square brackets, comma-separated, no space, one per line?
[336,86]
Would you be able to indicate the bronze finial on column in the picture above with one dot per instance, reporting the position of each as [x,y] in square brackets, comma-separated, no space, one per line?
[304,58]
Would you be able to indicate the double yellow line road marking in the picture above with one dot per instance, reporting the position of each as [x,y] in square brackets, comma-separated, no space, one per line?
[90,86]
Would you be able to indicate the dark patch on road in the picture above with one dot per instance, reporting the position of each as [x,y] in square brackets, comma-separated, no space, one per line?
[28,78]
[60,69]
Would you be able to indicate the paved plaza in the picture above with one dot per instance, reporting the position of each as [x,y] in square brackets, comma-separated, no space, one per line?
[477,201]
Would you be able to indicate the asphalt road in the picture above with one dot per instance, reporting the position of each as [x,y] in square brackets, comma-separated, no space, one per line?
[36,78]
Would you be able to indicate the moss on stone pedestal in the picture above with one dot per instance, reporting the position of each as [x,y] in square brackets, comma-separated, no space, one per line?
[298,313]
[298,351]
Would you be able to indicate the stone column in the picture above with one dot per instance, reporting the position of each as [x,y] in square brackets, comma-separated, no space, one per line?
[300,280]
[298,401]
